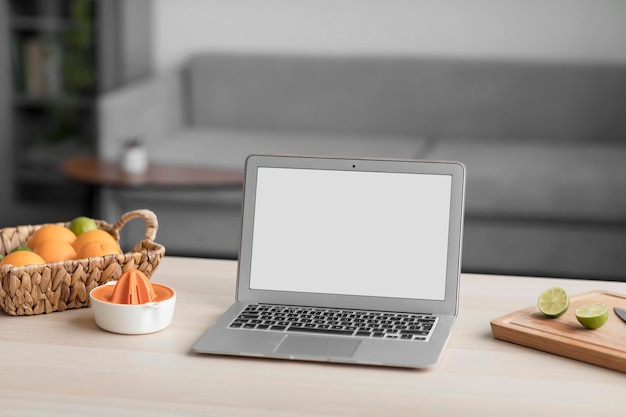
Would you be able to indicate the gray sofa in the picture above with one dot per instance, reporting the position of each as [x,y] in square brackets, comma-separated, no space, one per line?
[544,144]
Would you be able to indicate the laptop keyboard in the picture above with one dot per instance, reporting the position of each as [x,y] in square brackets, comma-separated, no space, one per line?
[330,321]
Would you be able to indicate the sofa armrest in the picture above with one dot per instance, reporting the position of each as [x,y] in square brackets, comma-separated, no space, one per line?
[147,110]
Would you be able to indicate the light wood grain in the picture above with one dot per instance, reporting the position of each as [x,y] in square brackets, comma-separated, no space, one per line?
[63,364]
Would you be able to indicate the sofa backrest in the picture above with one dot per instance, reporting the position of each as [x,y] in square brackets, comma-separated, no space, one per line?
[424,96]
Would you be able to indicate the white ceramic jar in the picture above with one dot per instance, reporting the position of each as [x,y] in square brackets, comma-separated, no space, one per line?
[134,160]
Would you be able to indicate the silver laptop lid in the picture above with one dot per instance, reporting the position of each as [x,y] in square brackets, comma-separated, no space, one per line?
[352,233]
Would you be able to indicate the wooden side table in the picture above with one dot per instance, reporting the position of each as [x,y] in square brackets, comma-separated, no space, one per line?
[98,174]
[91,170]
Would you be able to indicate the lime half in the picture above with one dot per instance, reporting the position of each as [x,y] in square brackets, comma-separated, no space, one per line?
[553,302]
[592,315]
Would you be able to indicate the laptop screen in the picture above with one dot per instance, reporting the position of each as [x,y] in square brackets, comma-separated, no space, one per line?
[325,231]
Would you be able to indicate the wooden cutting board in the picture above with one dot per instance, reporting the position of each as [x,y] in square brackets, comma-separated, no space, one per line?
[565,336]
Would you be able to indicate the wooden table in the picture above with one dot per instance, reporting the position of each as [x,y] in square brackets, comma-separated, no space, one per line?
[89,169]
[63,364]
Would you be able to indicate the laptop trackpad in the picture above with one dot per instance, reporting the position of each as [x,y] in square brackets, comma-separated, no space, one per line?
[317,346]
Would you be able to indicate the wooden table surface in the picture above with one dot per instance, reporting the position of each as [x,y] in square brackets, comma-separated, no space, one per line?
[63,364]
[89,169]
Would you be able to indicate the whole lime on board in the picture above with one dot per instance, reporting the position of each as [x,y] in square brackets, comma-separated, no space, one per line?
[553,302]
[82,224]
[593,315]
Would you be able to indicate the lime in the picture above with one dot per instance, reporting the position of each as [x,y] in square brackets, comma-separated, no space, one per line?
[553,302]
[82,224]
[592,315]
[19,248]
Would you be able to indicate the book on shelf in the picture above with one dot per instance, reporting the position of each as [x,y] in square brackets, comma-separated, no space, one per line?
[38,67]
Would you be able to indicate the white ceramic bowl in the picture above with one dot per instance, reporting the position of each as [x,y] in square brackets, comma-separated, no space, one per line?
[132,318]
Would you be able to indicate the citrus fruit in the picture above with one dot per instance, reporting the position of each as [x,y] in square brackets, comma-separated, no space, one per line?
[92,235]
[21,247]
[82,224]
[553,302]
[21,258]
[50,232]
[592,315]
[98,248]
[55,250]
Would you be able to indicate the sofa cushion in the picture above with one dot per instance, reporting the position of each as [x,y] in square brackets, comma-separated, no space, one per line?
[210,225]
[192,222]
[553,249]
[548,181]
[228,148]
[434,96]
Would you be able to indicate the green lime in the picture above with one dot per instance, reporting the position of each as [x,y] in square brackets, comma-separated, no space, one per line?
[592,315]
[82,224]
[553,302]
[18,248]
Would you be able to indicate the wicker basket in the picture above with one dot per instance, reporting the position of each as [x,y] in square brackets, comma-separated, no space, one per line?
[58,286]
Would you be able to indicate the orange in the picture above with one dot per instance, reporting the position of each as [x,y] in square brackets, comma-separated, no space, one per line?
[55,250]
[92,235]
[98,248]
[22,257]
[50,232]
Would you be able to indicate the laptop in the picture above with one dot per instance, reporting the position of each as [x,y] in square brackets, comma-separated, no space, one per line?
[345,260]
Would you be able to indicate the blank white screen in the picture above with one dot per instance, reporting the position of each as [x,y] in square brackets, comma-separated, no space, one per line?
[351,233]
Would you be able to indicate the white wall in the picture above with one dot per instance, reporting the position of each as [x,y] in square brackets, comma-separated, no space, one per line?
[570,30]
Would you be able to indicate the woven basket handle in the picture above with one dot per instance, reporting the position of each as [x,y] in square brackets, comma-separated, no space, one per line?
[148,216]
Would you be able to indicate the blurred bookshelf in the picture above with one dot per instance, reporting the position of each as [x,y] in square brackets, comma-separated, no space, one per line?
[54,77]
[56,59]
